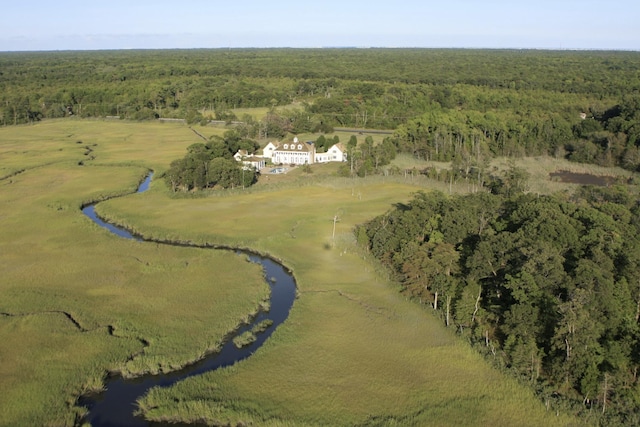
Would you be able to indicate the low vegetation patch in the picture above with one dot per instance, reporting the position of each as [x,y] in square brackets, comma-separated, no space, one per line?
[249,337]
[244,339]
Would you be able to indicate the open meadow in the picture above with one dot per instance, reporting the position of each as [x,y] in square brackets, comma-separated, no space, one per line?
[77,302]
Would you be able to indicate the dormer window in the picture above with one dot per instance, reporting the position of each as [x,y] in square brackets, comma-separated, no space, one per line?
[286,146]
[299,146]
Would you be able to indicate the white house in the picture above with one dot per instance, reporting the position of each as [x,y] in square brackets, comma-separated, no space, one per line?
[336,153]
[249,161]
[294,153]
[241,154]
[255,162]
[267,151]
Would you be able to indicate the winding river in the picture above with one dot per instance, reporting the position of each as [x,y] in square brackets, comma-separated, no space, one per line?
[116,405]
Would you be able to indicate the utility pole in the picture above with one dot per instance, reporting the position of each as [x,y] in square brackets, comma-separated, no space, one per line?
[335,219]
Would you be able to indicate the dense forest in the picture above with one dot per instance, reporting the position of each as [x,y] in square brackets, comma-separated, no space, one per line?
[547,286]
[443,103]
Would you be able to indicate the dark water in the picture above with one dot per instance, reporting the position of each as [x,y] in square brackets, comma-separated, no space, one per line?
[91,213]
[115,406]
[582,178]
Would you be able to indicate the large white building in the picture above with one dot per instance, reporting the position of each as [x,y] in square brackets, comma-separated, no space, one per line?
[298,153]
[294,153]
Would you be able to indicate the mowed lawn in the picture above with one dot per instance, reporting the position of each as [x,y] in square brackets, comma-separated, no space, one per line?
[353,351]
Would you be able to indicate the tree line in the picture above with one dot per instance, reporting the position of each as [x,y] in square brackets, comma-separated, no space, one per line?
[212,165]
[443,103]
[606,136]
[546,286]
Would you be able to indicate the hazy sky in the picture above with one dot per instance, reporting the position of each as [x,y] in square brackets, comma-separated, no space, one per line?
[124,24]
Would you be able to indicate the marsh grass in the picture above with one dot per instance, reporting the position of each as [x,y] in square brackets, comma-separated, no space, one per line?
[249,337]
[132,307]
[353,351]
[244,339]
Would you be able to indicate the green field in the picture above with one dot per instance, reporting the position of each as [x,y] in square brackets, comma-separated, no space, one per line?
[353,351]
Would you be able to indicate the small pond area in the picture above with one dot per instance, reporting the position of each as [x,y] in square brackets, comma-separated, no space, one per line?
[582,178]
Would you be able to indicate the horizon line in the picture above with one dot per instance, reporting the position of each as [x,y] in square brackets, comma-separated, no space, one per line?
[328,47]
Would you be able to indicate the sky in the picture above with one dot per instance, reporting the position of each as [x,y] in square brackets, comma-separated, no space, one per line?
[162,24]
